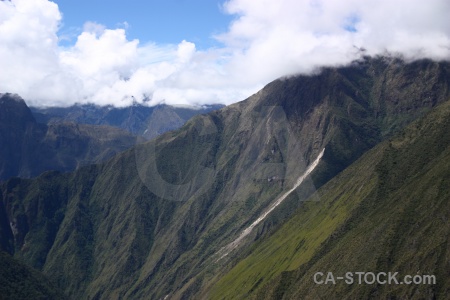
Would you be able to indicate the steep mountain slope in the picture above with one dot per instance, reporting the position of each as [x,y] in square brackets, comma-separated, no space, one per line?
[150,222]
[29,148]
[145,121]
[388,212]
[18,281]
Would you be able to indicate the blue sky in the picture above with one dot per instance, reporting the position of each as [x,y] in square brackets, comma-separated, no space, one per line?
[161,21]
[195,52]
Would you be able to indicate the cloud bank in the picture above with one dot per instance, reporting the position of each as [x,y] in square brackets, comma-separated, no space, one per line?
[267,39]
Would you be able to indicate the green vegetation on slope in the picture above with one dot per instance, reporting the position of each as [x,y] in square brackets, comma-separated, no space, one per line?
[18,281]
[108,231]
[388,212]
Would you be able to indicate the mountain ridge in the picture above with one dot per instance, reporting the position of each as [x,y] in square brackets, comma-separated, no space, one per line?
[30,148]
[117,234]
[138,119]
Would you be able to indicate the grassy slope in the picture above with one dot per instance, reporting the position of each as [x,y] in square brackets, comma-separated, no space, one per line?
[387,212]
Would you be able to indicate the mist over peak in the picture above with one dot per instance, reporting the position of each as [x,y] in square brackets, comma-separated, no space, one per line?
[265,40]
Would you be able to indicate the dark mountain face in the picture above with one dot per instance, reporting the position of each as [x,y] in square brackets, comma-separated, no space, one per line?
[148,122]
[29,148]
[155,220]
[349,110]
[19,281]
[16,122]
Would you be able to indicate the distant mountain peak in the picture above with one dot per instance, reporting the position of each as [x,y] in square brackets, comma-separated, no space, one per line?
[11,96]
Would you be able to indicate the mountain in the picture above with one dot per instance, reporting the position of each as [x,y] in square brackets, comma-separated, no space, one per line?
[387,212]
[30,148]
[138,119]
[181,215]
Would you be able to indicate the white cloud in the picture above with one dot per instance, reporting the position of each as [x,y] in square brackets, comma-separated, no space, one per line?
[267,39]
[291,36]
[28,44]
